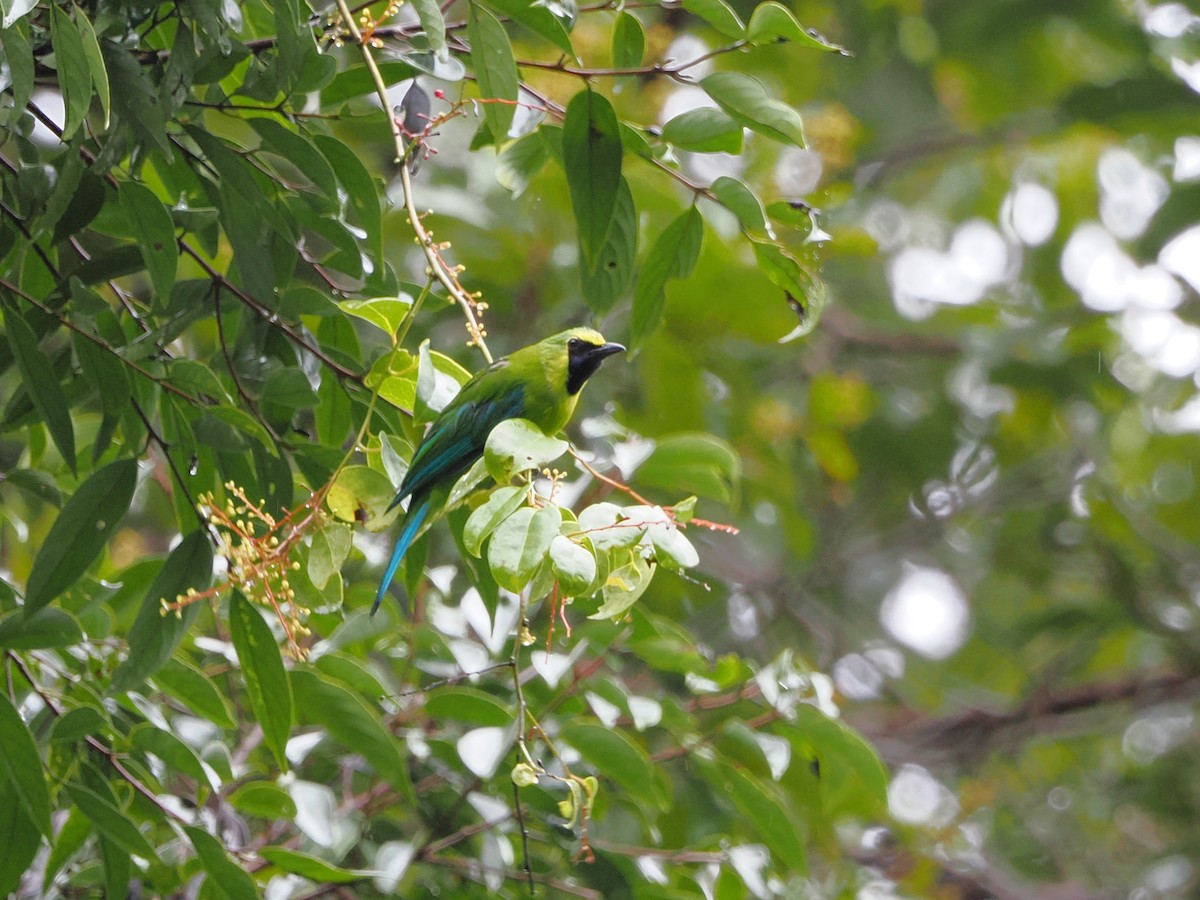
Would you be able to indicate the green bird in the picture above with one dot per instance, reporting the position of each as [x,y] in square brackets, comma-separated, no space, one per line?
[540,383]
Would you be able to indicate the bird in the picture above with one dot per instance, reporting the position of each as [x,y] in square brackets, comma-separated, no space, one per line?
[540,383]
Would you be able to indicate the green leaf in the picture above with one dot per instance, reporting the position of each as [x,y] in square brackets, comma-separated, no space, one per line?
[267,683]
[628,41]
[537,17]
[361,191]
[605,283]
[592,159]
[80,532]
[736,197]
[470,706]
[624,586]
[805,292]
[307,866]
[74,77]
[49,627]
[429,12]
[704,130]
[182,681]
[612,754]
[177,755]
[22,839]
[226,876]
[764,811]
[264,799]
[41,383]
[483,520]
[773,21]
[520,545]
[361,494]
[573,565]
[516,446]
[521,160]
[110,822]
[495,70]
[19,54]
[355,724]
[746,101]
[385,313]
[671,548]
[853,781]
[20,763]
[719,15]
[300,152]
[599,523]
[36,483]
[330,547]
[106,373]
[76,724]
[438,380]
[154,636]
[95,60]
[695,463]
[357,81]
[673,255]
[155,233]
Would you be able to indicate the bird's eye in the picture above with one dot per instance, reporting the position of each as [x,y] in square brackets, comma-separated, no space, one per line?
[574,343]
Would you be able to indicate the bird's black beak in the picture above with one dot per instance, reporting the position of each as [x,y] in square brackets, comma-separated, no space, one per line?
[606,350]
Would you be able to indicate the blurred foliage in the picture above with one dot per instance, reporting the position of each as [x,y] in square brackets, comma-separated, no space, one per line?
[965,493]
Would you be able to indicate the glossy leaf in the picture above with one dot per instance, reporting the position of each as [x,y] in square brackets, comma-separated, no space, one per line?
[502,503]
[520,545]
[704,130]
[429,12]
[186,684]
[745,100]
[773,21]
[517,445]
[628,41]
[80,532]
[385,313]
[573,565]
[804,292]
[47,628]
[97,71]
[223,873]
[470,706]
[539,19]
[719,15]
[267,684]
[308,866]
[740,200]
[592,160]
[71,61]
[623,587]
[613,755]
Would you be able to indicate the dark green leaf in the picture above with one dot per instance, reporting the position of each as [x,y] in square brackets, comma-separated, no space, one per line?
[592,159]
[107,374]
[155,232]
[360,186]
[357,81]
[628,41]
[71,60]
[747,101]
[177,755]
[495,70]
[692,463]
[76,724]
[20,763]
[264,799]
[49,627]
[226,876]
[354,723]
[300,152]
[267,683]
[605,283]
[673,255]
[80,532]
[521,160]
[766,813]
[185,683]
[154,636]
[38,376]
[22,838]
[704,130]
[111,822]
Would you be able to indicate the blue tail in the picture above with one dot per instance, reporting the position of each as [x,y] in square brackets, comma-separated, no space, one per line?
[412,524]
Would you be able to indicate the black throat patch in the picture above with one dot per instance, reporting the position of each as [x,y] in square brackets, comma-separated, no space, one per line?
[582,362]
